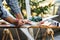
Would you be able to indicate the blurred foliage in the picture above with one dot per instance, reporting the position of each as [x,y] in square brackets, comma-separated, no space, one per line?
[33,3]
[34,6]
[22,4]
[41,9]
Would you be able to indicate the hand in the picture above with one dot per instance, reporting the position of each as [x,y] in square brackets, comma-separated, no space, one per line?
[23,21]
[41,22]
[27,21]
[20,22]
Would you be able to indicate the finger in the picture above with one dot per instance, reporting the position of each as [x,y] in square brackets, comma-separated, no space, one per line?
[41,22]
[20,22]
[23,21]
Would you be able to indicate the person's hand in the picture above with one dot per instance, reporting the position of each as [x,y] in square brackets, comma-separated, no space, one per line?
[20,22]
[41,22]
[27,21]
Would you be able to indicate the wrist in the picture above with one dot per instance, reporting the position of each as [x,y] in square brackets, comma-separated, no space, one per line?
[19,16]
[16,21]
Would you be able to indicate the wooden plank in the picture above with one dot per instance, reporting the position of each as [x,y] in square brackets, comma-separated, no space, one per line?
[29,26]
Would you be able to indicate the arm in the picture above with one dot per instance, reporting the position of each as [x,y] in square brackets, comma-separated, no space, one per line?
[4,15]
[11,20]
[15,8]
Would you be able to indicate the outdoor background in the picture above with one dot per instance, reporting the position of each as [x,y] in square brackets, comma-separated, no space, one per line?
[41,8]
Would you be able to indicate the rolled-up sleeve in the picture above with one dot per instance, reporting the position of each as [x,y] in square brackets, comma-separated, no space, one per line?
[3,13]
[14,6]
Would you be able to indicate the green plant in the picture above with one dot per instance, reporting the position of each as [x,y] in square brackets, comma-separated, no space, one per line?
[39,10]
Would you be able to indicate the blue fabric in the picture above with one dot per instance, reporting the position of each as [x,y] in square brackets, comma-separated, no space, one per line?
[13,5]
[3,12]
[0,2]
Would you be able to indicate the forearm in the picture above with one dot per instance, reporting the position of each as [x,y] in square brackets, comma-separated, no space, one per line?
[11,20]
[19,16]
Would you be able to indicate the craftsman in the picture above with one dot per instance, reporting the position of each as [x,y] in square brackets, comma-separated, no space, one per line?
[16,10]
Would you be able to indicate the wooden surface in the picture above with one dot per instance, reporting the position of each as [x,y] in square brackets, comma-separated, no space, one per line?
[28,26]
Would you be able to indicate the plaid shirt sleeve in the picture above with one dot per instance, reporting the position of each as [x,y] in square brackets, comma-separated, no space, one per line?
[14,6]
